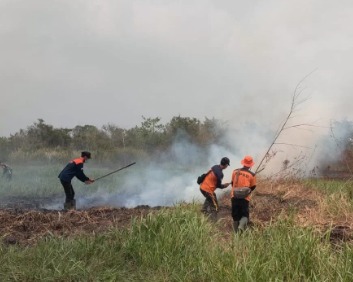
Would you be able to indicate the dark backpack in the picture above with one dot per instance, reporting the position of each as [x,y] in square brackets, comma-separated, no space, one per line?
[202,177]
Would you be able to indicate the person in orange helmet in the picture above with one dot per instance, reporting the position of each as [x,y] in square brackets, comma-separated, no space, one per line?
[213,181]
[242,178]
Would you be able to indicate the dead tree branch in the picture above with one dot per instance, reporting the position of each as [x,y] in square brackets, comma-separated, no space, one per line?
[293,108]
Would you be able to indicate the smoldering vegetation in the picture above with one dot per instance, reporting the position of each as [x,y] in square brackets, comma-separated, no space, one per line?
[163,174]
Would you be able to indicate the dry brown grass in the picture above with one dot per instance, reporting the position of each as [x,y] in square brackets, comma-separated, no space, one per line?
[308,207]
[28,226]
[272,200]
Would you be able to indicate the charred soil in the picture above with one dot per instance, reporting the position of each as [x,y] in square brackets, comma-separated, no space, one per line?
[24,224]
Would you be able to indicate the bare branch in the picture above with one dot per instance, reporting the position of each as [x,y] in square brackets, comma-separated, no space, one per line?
[304,124]
[294,104]
[293,145]
[286,167]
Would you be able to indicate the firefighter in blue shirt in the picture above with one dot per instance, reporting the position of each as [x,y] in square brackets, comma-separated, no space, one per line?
[71,170]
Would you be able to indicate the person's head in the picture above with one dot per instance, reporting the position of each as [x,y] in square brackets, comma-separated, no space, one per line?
[225,162]
[86,155]
[247,161]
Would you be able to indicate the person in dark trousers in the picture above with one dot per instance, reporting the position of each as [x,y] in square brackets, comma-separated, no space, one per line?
[213,181]
[71,170]
[7,171]
[242,177]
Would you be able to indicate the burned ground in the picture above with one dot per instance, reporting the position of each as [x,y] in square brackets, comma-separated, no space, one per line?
[26,227]
[24,223]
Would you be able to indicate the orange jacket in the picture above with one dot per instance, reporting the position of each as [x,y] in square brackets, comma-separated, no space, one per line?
[213,180]
[246,178]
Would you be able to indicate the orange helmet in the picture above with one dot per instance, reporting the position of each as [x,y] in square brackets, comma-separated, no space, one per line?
[247,161]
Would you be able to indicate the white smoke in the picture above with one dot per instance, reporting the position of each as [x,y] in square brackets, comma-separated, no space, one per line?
[166,181]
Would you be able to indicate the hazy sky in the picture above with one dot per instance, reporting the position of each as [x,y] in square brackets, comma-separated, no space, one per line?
[97,62]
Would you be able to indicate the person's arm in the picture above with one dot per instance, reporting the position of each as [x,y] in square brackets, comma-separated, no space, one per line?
[219,175]
[80,174]
[225,185]
[253,183]
[87,180]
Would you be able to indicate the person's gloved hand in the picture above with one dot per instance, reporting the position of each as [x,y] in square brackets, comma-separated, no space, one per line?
[89,181]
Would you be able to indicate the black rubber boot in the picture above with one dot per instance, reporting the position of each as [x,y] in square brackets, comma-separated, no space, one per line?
[243,223]
[73,205]
[67,206]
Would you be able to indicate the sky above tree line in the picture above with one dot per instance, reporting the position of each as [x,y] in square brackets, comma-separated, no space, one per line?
[98,62]
[90,62]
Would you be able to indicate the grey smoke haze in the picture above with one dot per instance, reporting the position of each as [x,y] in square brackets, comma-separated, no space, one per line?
[165,181]
[97,62]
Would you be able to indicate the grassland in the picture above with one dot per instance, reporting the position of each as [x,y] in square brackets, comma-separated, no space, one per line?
[301,231]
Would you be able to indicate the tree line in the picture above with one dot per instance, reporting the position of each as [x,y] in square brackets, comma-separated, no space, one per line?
[43,141]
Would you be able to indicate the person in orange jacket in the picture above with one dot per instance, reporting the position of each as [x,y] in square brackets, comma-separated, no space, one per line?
[71,170]
[213,181]
[242,177]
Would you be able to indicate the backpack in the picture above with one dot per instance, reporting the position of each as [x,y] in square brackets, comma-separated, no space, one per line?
[240,192]
[202,177]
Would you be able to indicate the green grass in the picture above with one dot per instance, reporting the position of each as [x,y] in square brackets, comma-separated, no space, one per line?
[331,186]
[180,245]
[339,194]
[42,181]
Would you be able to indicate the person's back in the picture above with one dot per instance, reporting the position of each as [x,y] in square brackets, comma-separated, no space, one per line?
[213,179]
[72,169]
[242,178]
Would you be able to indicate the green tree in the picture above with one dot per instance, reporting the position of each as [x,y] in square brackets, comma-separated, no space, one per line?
[183,127]
[116,135]
[211,132]
[5,148]
[89,137]
[149,136]
[41,135]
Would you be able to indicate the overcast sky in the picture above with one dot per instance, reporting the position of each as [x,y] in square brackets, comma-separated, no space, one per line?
[97,62]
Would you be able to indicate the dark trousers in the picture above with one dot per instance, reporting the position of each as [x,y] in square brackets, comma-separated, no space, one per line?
[69,191]
[211,204]
[240,208]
